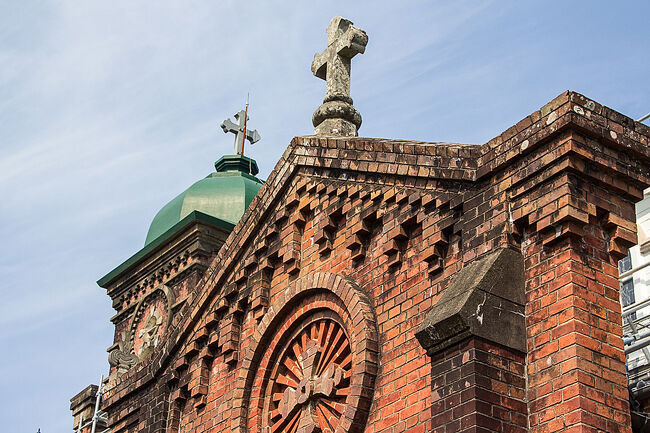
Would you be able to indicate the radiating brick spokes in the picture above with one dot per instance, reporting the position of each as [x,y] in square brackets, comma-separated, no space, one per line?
[297,373]
[311,383]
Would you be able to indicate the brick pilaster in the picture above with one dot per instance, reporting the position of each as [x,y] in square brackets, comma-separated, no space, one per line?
[475,335]
[576,363]
[478,386]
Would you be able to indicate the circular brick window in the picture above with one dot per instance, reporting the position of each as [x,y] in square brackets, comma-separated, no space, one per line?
[312,361]
[310,383]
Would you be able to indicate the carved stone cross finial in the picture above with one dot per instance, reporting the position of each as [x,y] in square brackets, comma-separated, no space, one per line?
[337,116]
[240,131]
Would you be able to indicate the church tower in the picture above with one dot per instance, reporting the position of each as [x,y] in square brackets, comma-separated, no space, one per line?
[150,287]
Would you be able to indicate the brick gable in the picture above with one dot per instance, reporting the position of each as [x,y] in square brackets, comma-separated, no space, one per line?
[397,221]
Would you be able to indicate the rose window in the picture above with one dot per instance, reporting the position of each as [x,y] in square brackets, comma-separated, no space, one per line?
[310,382]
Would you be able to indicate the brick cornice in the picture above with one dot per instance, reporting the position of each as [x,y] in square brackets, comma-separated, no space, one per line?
[569,110]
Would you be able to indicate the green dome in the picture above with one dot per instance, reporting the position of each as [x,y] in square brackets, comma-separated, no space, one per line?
[225,194]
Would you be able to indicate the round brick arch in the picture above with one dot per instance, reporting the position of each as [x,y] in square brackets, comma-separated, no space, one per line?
[318,295]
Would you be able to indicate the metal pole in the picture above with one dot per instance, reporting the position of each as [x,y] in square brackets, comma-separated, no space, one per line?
[638,336]
[97,401]
[81,422]
[243,139]
[638,346]
[641,119]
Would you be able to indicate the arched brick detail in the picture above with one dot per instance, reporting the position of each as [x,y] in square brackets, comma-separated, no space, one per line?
[315,294]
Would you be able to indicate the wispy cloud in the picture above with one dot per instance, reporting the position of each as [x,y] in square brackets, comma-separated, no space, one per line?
[109,109]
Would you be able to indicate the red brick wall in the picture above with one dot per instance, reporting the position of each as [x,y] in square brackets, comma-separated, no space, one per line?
[399,220]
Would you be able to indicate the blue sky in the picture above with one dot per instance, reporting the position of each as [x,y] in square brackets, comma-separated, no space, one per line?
[110,109]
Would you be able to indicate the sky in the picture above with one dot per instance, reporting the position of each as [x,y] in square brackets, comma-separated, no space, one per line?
[110,109]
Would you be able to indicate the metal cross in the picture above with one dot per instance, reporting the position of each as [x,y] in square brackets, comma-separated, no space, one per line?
[239,129]
[344,41]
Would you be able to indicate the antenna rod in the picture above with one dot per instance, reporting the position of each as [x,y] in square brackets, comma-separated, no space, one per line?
[243,138]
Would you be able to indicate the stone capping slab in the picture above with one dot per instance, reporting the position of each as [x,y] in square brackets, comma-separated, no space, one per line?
[85,397]
[485,299]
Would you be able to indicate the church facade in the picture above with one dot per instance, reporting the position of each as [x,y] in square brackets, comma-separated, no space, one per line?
[376,285]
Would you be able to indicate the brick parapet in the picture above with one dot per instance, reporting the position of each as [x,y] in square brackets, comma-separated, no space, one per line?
[82,406]
[573,111]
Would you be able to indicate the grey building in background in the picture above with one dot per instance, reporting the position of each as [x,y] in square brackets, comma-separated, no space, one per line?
[634,276]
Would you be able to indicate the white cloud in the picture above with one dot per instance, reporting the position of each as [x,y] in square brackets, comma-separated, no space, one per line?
[109,109]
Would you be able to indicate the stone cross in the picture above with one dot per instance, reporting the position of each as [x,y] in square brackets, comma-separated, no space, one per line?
[238,129]
[337,116]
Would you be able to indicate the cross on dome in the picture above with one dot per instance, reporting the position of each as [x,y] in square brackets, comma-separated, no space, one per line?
[240,131]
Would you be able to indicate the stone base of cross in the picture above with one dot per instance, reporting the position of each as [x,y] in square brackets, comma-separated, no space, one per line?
[337,115]
[339,127]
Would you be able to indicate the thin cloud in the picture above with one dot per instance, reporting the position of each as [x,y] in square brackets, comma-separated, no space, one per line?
[110,109]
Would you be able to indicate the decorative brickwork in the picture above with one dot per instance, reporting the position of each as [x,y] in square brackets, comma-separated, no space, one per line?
[363,237]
